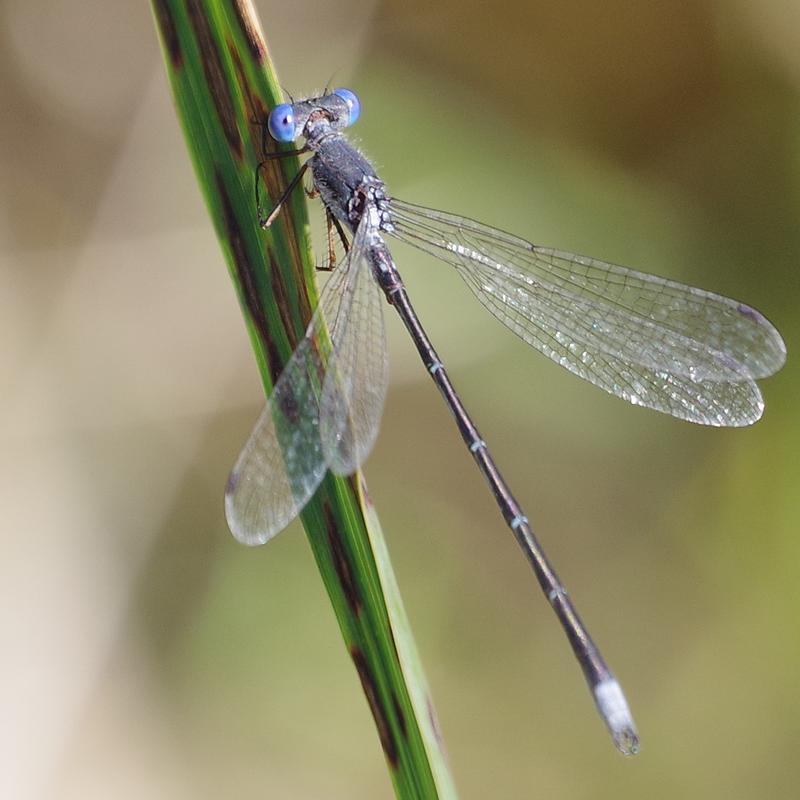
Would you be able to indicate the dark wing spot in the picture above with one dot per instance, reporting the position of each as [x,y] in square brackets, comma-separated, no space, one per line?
[233,482]
[750,313]
[289,406]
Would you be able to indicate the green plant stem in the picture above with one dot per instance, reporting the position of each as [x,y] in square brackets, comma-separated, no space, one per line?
[223,84]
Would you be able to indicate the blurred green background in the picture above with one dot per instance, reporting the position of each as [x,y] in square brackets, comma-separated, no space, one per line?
[146,654]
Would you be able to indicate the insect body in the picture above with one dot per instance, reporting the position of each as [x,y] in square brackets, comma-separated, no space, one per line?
[656,343]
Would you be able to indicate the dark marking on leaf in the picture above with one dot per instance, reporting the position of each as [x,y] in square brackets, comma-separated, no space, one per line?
[401,717]
[169,33]
[245,272]
[274,360]
[215,76]
[257,115]
[365,490]
[434,720]
[275,184]
[244,16]
[394,644]
[378,714]
[340,562]
[260,112]
[281,300]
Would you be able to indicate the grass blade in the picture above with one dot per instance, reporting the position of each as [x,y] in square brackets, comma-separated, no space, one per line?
[223,84]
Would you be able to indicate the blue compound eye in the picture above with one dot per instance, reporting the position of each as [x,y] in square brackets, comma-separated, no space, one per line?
[281,123]
[353,103]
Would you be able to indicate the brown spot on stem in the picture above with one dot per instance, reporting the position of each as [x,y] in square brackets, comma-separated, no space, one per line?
[260,111]
[282,300]
[215,75]
[245,271]
[169,33]
[394,644]
[365,491]
[255,108]
[401,717]
[248,22]
[340,562]
[378,714]
[434,720]
[274,361]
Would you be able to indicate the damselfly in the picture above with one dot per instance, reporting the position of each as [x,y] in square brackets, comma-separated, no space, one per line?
[653,342]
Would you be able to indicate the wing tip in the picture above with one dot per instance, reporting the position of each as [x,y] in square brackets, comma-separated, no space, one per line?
[241,530]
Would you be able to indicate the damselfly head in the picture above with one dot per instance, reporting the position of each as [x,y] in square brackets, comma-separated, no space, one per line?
[331,112]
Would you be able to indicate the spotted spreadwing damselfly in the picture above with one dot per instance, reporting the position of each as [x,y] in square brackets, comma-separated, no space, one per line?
[656,343]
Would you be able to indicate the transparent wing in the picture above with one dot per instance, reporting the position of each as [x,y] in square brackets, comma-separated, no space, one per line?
[358,375]
[653,342]
[285,458]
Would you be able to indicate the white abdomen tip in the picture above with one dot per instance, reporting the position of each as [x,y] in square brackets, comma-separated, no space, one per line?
[613,708]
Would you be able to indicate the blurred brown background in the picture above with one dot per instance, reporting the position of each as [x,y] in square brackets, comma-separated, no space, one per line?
[146,654]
